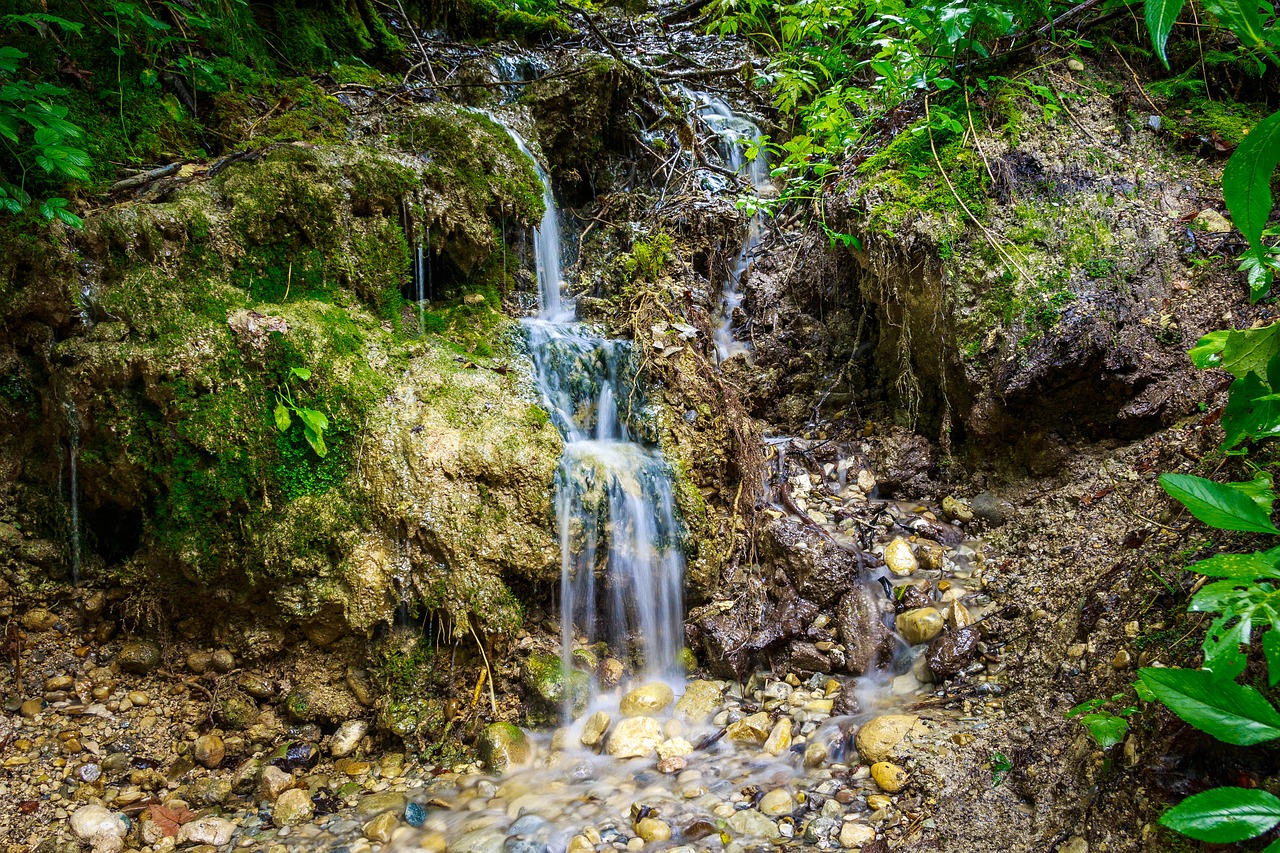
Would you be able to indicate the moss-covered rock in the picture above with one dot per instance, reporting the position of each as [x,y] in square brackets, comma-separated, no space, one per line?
[552,690]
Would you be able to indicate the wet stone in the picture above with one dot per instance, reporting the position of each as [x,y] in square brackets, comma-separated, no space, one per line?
[209,750]
[647,700]
[952,652]
[877,739]
[594,728]
[502,745]
[139,656]
[778,802]
[920,625]
[890,777]
[634,737]
[293,807]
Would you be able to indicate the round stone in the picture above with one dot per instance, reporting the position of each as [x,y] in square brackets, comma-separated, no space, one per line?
[920,625]
[502,745]
[877,740]
[651,829]
[899,557]
[890,777]
[347,738]
[856,835]
[209,750]
[293,807]
[139,656]
[647,700]
[223,661]
[777,803]
[634,737]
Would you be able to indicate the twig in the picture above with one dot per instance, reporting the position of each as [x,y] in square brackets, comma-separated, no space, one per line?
[493,699]
[145,178]
[1073,12]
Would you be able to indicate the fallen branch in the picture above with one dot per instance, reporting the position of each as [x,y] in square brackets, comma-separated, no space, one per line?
[145,178]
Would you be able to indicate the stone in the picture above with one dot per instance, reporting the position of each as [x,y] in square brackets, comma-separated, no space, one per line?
[89,822]
[223,661]
[139,657]
[200,662]
[380,828]
[1075,65]
[1213,222]
[751,823]
[502,745]
[272,782]
[700,699]
[634,737]
[487,841]
[777,803]
[674,747]
[854,835]
[876,802]
[594,728]
[651,829]
[581,844]
[647,700]
[920,625]
[256,685]
[139,699]
[752,729]
[991,509]
[672,764]
[347,738]
[951,652]
[878,738]
[611,670]
[1122,660]
[890,777]
[235,710]
[956,509]
[1075,844]
[550,686]
[779,739]
[372,805]
[60,682]
[207,830]
[208,751]
[38,619]
[415,814]
[807,657]
[293,807]
[899,558]
[815,754]
[30,708]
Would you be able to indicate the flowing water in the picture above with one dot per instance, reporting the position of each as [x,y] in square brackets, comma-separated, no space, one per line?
[735,132]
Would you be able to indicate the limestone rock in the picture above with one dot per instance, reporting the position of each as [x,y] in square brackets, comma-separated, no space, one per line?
[347,738]
[207,830]
[501,745]
[899,558]
[293,807]
[594,728]
[648,700]
[777,803]
[877,740]
[752,729]
[674,747]
[634,737]
[699,700]
[208,751]
[652,829]
[89,822]
[751,823]
[779,739]
[920,625]
[890,777]
[139,656]
[853,835]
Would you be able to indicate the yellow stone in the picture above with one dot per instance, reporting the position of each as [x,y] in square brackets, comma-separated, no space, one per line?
[890,777]
[779,740]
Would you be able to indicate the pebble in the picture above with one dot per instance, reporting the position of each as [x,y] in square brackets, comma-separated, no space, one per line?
[138,699]
[347,738]
[272,782]
[207,830]
[779,739]
[30,708]
[899,558]
[652,829]
[381,827]
[752,729]
[648,700]
[293,807]
[634,737]
[920,625]
[853,835]
[877,739]
[372,805]
[594,728]
[777,802]
[890,777]
[139,657]
[92,821]
[223,661]
[209,750]
[752,823]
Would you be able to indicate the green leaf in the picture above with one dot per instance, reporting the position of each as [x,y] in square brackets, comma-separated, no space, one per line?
[1230,712]
[1252,412]
[1248,350]
[313,419]
[1242,604]
[316,440]
[1249,567]
[303,373]
[1224,815]
[1218,504]
[1271,651]
[1241,18]
[283,421]
[1086,707]
[1208,350]
[1246,180]
[1161,16]
[1105,728]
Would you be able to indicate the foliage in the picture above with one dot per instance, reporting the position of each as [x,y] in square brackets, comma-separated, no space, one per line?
[314,423]
[1000,768]
[1107,729]
[650,256]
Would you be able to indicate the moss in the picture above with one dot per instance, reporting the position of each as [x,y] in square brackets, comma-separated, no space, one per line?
[280,201]
[650,256]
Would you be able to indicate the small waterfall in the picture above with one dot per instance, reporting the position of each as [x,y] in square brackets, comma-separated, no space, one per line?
[734,130]
[73,443]
[622,572]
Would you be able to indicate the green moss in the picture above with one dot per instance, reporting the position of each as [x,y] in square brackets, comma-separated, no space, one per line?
[650,256]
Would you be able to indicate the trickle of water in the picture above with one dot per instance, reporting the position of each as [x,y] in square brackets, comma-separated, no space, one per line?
[733,131]
[73,442]
[621,568]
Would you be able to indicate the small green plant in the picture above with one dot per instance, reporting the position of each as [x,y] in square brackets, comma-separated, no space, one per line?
[1106,728]
[1000,768]
[650,256]
[314,423]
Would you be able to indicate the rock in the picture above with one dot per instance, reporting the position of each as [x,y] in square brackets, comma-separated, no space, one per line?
[372,805]
[610,672]
[700,699]
[752,729]
[415,814]
[806,657]
[30,708]
[1153,122]
[634,737]
[208,751]
[256,685]
[223,661]
[89,822]
[1075,844]
[39,620]
[672,764]
[751,823]
[486,841]
[235,710]
[956,510]
[899,558]
[293,807]
[1075,65]
[648,700]
[347,738]
[502,745]
[674,747]
[550,686]
[594,728]
[207,830]
[951,652]
[861,631]
[991,509]
[815,754]
[1213,222]
[139,656]
[877,739]
[777,803]
[200,662]
[272,782]
[779,739]
[380,828]
[819,569]
[853,835]
[581,844]
[651,829]
[902,462]
[890,777]
[1121,660]
[876,802]
[139,699]
[920,625]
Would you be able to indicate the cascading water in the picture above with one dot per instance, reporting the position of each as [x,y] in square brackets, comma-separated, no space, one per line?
[73,446]
[621,568]
[733,131]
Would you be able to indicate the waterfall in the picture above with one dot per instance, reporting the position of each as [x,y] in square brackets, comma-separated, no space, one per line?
[733,130]
[622,572]
[73,443]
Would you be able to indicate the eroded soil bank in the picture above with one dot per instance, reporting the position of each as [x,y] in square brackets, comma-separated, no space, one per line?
[234,641]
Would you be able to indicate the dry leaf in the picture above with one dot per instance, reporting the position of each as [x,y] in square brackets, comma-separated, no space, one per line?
[170,820]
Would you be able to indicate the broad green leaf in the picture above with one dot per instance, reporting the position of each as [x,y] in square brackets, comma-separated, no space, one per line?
[1249,350]
[1230,712]
[1107,729]
[1161,15]
[1246,180]
[1086,707]
[1259,489]
[1273,847]
[303,373]
[1242,604]
[316,440]
[313,419]
[1219,505]
[1249,567]
[1252,412]
[1260,267]
[1208,350]
[283,420]
[1242,18]
[1224,815]
[1271,650]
